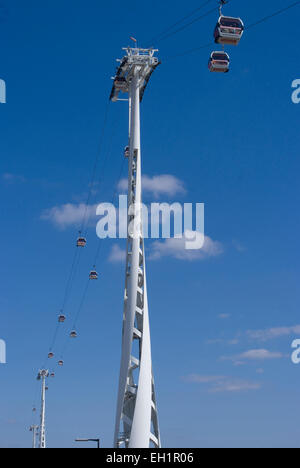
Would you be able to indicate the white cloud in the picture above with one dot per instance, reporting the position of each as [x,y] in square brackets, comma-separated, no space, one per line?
[165,184]
[69,214]
[202,379]
[272,333]
[117,254]
[218,384]
[260,354]
[235,385]
[253,355]
[176,248]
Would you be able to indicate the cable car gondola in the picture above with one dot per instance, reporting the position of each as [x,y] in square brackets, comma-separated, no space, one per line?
[121,84]
[219,62]
[73,334]
[50,355]
[61,318]
[229,30]
[81,242]
[61,363]
[52,375]
[127,152]
[93,275]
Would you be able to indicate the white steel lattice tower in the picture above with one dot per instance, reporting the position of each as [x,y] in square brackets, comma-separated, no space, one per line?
[136,418]
[43,374]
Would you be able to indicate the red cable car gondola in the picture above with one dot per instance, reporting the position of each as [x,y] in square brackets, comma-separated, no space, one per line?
[127,152]
[61,318]
[81,242]
[93,275]
[229,30]
[219,62]
[121,84]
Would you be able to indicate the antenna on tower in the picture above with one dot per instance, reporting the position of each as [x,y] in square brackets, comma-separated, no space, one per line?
[133,39]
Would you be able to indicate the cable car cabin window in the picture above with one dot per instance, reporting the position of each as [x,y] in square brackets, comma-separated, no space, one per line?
[231,23]
[222,57]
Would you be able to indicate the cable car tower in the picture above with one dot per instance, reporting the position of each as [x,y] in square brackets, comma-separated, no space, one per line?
[42,375]
[137,417]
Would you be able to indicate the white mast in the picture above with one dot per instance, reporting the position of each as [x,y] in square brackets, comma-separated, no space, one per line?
[34,430]
[43,374]
[136,418]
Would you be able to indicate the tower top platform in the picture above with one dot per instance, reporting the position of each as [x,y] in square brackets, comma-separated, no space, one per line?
[142,59]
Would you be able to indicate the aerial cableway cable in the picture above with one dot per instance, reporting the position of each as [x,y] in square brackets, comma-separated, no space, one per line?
[276,13]
[169,29]
[164,35]
[182,28]
[94,171]
[256,23]
[78,252]
[96,259]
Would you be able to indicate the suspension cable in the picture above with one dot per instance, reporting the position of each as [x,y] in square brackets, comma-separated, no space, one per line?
[167,30]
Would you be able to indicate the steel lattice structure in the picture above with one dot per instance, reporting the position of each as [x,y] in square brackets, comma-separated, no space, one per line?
[137,417]
[43,374]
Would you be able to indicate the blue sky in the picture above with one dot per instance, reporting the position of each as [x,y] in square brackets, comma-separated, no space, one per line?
[223,324]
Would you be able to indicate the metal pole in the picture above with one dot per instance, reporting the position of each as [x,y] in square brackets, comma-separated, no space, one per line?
[89,440]
[34,429]
[42,376]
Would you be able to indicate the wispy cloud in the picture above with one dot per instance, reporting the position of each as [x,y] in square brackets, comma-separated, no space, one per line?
[224,316]
[253,355]
[69,214]
[273,333]
[218,384]
[13,178]
[165,184]
[176,248]
[117,254]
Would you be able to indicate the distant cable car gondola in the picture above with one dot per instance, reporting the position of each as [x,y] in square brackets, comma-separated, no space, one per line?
[229,30]
[61,318]
[51,355]
[52,375]
[61,363]
[126,152]
[121,84]
[73,334]
[81,242]
[93,275]
[219,62]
